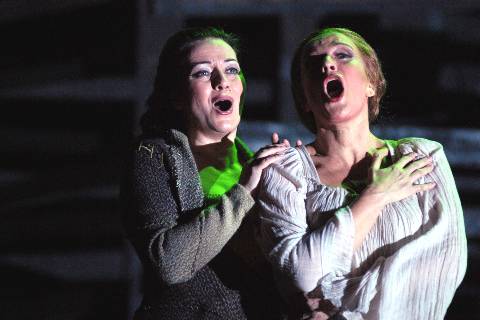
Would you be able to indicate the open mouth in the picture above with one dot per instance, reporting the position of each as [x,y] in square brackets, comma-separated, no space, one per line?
[223,105]
[333,88]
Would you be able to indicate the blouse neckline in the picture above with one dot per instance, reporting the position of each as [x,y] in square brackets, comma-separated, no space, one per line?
[313,174]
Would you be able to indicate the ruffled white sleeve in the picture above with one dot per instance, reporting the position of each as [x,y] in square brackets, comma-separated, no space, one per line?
[413,276]
[426,271]
[419,276]
[302,255]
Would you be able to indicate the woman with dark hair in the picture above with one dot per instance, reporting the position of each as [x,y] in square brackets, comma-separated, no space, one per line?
[188,192]
[362,227]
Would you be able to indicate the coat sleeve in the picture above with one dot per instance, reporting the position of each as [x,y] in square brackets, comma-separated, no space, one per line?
[174,244]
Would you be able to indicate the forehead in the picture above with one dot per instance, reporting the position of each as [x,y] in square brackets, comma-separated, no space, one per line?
[211,49]
[327,41]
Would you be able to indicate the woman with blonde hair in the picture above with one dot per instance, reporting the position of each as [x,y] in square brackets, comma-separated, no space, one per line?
[357,226]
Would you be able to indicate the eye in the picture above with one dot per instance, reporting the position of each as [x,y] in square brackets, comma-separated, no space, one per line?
[201,74]
[232,70]
[343,55]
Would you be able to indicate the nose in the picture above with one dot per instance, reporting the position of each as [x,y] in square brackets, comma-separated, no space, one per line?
[219,80]
[329,65]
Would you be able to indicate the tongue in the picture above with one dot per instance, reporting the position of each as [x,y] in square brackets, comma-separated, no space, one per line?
[334,89]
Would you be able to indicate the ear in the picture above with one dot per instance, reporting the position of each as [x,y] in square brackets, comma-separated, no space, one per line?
[370,90]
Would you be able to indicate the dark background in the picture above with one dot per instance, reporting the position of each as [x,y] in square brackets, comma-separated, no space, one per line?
[74,77]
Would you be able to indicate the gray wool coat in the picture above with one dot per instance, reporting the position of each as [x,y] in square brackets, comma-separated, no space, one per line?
[200,262]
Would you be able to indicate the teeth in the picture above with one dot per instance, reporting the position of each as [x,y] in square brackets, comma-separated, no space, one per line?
[223,105]
[334,88]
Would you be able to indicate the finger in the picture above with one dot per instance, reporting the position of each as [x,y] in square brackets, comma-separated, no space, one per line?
[418,164]
[313,303]
[264,162]
[405,159]
[417,174]
[286,142]
[319,315]
[271,149]
[275,138]
[299,142]
[378,156]
[268,147]
[266,152]
[424,187]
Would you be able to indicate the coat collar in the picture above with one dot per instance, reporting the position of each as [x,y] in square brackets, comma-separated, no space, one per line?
[185,173]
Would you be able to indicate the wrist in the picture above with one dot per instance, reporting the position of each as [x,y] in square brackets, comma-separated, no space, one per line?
[374,198]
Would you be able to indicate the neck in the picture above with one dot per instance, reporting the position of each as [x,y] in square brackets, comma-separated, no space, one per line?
[348,142]
[198,138]
[216,151]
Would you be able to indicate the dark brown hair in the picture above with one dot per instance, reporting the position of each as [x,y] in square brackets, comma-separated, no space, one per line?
[169,85]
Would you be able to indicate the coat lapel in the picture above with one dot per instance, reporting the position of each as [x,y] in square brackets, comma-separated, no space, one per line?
[186,177]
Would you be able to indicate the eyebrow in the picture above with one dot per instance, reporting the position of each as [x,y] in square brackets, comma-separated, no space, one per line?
[193,64]
[336,43]
[309,58]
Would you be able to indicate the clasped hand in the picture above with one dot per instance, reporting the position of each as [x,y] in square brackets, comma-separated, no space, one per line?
[265,156]
[397,181]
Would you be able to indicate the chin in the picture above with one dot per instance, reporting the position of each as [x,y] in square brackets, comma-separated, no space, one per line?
[341,112]
[345,118]
[225,127]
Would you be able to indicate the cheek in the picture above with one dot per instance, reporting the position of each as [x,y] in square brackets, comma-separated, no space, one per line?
[312,92]
[362,72]
[306,87]
[195,102]
[238,88]
[197,91]
[360,80]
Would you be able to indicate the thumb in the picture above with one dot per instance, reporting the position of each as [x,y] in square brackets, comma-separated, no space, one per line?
[275,138]
[378,156]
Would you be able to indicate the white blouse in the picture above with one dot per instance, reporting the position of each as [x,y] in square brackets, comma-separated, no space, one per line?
[410,263]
